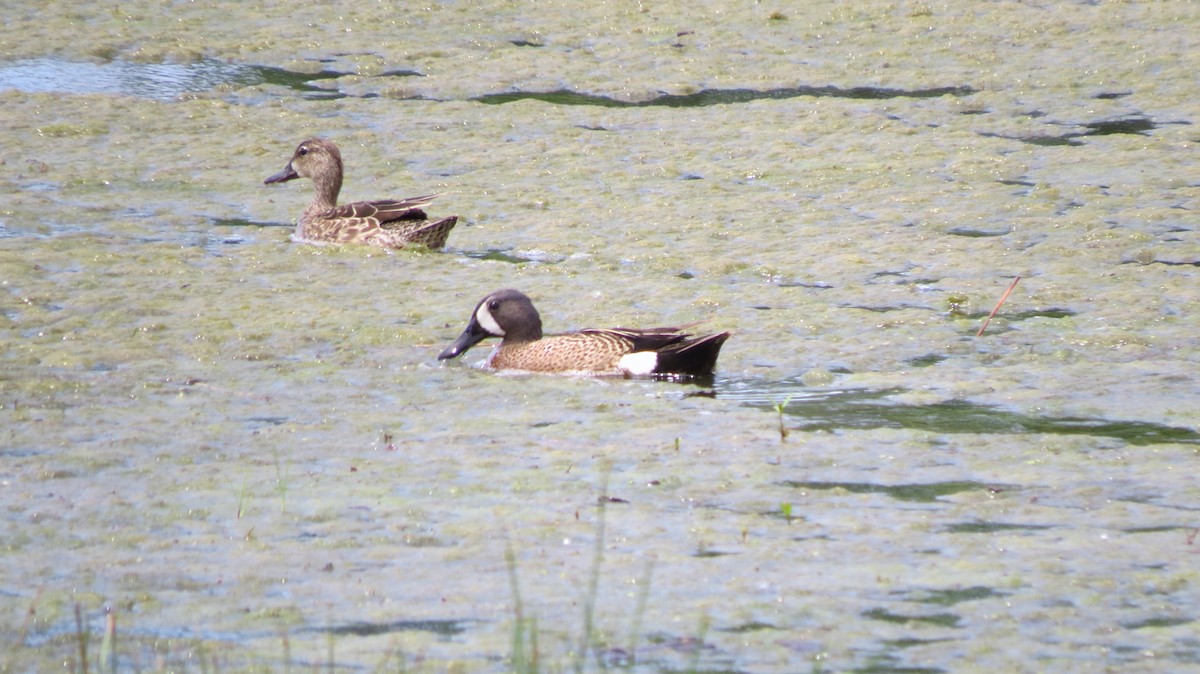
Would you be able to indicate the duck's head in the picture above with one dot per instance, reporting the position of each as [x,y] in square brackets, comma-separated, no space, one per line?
[315,158]
[508,314]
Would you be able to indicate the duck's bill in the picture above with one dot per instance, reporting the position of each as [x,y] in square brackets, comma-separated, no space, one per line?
[470,337]
[288,173]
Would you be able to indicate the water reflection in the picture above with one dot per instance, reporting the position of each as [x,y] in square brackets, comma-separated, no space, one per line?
[162,81]
[159,81]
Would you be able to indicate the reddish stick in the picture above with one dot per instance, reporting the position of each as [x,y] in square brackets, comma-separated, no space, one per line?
[997,307]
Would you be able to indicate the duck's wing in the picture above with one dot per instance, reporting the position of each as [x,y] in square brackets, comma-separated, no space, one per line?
[696,357]
[676,352]
[381,211]
[643,339]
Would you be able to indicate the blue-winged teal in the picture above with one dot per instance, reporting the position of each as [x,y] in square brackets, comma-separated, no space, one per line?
[390,223]
[509,314]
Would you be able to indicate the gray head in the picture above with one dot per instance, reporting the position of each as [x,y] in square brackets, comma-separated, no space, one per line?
[508,314]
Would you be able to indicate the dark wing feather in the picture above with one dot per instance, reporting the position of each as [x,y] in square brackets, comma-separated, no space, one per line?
[692,356]
[647,339]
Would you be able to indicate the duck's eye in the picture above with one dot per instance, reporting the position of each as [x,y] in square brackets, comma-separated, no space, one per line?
[302,151]
[493,305]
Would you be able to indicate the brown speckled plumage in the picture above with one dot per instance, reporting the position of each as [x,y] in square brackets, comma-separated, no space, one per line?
[389,222]
[510,314]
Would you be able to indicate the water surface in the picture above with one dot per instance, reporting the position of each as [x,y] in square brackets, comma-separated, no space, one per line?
[243,451]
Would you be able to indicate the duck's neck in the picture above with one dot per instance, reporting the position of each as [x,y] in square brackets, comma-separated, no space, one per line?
[525,332]
[326,195]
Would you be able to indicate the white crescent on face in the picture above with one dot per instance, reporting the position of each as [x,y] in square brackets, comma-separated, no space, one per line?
[485,320]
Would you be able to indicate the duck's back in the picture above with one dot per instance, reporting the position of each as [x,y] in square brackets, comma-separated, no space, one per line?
[586,352]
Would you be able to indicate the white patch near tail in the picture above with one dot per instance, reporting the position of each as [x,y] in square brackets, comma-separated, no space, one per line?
[639,363]
[485,320]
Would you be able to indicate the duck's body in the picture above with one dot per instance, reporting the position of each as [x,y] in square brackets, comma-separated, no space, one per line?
[389,222]
[510,315]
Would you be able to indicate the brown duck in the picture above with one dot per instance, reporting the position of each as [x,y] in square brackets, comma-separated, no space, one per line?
[390,223]
[510,315]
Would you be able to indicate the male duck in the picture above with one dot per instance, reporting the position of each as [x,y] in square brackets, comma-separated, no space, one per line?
[388,222]
[509,314]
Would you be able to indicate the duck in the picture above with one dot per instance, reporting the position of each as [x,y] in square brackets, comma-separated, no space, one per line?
[392,223]
[663,353]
